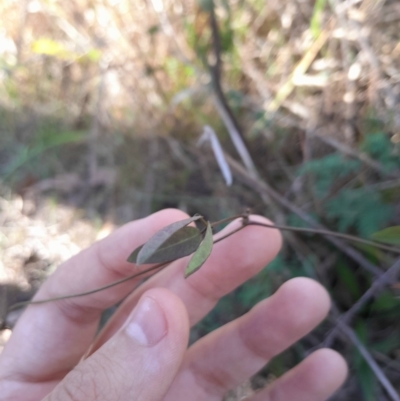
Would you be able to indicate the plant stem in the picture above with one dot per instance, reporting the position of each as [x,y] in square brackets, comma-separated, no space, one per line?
[247,222]
[347,237]
[81,294]
[105,287]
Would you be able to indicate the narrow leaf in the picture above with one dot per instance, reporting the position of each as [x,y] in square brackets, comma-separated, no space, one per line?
[158,239]
[202,253]
[390,235]
[182,243]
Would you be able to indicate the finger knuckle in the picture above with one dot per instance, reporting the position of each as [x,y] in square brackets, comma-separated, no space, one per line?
[79,385]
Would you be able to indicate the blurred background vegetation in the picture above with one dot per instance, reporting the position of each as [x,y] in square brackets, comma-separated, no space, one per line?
[102,103]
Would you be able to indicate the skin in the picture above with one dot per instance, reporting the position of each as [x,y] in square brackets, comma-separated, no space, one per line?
[142,353]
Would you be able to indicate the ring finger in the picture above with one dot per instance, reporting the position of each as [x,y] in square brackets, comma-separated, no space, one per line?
[230,355]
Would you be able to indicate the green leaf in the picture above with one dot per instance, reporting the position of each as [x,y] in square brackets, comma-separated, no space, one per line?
[202,253]
[390,235]
[159,238]
[385,302]
[182,243]
[359,208]
[349,279]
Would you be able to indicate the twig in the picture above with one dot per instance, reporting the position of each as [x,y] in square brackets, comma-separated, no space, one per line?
[380,375]
[390,363]
[263,188]
[386,278]
[220,101]
[329,233]
[354,153]
[114,283]
[227,115]
[245,222]
[81,294]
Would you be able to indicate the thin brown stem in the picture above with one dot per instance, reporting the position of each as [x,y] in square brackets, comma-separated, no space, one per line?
[105,287]
[262,188]
[81,294]
[347,237]
[226,220]
[247,222]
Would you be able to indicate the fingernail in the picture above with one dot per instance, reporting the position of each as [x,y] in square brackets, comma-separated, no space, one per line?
[148,324]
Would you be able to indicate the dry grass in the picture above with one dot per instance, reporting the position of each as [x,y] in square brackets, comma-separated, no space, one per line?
[133,65]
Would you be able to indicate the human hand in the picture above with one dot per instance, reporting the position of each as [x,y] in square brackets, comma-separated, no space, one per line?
[142,353]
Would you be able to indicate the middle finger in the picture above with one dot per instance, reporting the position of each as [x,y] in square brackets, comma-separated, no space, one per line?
[228,356]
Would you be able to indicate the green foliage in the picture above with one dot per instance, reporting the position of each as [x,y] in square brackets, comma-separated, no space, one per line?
[250,294]
[363,372]
[42,143]
[349,280]
[389,235]
[360,209]
[202,253]
[327,169]
[386,302]
[162,237]
[389,344]
[315,24]
[379,147]
[181,243]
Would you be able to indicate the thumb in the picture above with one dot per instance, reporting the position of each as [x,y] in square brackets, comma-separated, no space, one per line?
[140,361]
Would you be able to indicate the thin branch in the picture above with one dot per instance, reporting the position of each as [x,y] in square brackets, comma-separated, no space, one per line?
[380,375]
[363,157]
[114,283]
[81,294]
[263,188]
[386,278]
[220,101]
[329,234]
[245,222]
[311,231]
